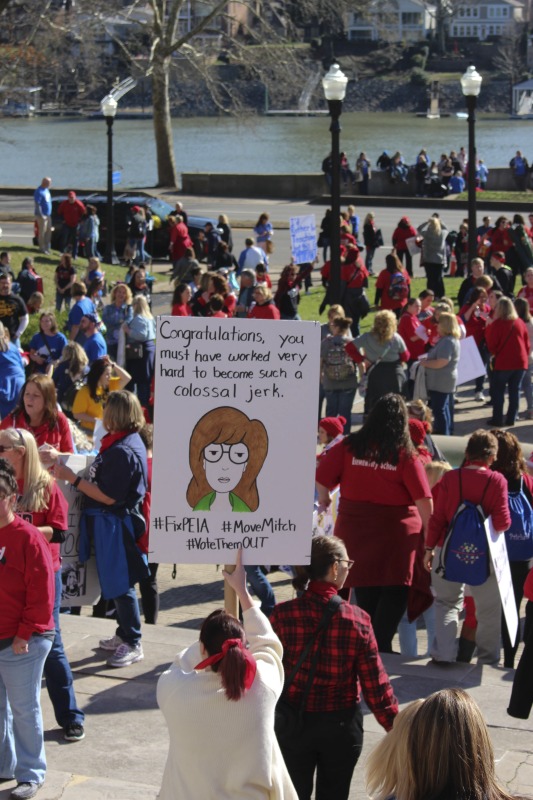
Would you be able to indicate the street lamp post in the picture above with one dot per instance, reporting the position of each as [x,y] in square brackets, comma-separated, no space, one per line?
[334,83]
[471,86]
[109,109]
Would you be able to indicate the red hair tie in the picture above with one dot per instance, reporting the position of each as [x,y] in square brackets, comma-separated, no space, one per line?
[251,664]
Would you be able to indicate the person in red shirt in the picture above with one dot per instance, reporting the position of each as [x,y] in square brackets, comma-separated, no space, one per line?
[72,210]
[404,231]
[407,327]
[37,411]
[262,275]
[348,662]
[508,342]
[43,504]
[354,276]
[264,307]
[179,240]
[385,506]
[26,631]
[473,481]
[216,306]
[527,291]
[474,315]
[500,237]
[392,285]
[181,301]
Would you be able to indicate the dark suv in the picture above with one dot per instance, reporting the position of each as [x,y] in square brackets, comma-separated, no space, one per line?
[157,239]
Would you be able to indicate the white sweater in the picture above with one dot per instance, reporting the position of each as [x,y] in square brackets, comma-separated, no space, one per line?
[222,749]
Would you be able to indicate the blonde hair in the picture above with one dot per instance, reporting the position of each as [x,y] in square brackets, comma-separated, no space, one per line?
[127,289]
[485,282]
[449,325]
[123,412]
[37,481]
[386,768]
[140,307]
[370,217]
[434,226]
[385,326]
[335,310]
[505,309]
[435,470]
[263,290]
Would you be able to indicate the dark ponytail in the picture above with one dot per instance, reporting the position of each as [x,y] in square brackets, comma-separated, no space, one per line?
[325,550]
[216,628]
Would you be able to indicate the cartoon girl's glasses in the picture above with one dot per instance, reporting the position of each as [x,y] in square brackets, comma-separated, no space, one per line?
[238,453]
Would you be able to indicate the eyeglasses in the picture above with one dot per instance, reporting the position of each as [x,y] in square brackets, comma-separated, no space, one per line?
[237,453]
[349,564]
[4,448]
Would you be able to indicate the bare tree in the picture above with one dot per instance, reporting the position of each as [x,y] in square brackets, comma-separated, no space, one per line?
[511,57]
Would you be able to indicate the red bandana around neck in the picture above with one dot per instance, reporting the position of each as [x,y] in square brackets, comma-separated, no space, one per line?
[251,664]
[111,438]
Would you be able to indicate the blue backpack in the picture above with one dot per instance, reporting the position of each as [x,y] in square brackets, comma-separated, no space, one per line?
[464,557]
[519,537]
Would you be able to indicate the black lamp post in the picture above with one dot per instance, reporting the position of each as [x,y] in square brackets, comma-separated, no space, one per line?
[334,84]
[471,86]
[109,109]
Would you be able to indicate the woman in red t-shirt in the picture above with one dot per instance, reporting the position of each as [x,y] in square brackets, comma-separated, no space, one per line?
[385,506]
[42,504]
[37,412]
[404,231]
[180,301]
[475,315]
[392,285]
[408,324]
[508,341]
[264,306]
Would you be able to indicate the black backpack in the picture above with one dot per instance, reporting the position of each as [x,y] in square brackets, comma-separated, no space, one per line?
[137,227]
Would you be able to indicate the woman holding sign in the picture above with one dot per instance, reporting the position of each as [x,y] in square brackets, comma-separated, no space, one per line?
[218,698]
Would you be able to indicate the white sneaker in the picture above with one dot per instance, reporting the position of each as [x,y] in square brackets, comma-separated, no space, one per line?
[111,644]
[480,396]
[125,655]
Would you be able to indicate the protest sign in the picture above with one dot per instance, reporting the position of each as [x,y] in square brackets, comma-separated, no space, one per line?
[502,570]
[235,438]
[303,239]
[81,586]
[470,364]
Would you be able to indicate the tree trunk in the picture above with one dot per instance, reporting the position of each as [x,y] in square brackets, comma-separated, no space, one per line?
[166,163]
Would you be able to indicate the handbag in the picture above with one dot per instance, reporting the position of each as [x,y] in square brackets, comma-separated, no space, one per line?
[134,351]
[269,246]
[289,720]
[363,383]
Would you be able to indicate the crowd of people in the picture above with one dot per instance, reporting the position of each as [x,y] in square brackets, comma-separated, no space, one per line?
[432,178]
[293,673]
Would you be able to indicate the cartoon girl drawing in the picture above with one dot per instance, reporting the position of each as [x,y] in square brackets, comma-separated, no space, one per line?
[226,453]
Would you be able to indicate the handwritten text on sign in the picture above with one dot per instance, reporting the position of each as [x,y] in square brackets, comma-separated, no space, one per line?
[303,239]
[235,430]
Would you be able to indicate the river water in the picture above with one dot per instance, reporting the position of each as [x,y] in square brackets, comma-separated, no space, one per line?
[74,152]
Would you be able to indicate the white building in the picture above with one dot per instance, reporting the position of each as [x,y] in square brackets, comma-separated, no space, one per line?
[392,20]
[486,18]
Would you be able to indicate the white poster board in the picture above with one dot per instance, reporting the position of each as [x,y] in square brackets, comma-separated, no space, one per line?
[470,364]
[234,440]
[303,239]
[502,570]
[81,586]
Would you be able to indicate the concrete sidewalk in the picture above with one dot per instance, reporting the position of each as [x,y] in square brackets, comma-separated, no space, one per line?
[123,754]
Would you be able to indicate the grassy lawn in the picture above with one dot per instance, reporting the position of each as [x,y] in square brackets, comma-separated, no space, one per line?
[45,266]
[309,304]
[511,197]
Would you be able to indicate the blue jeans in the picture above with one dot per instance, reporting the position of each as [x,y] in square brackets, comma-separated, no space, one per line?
[62,298]
[261,587]
[70,239]
[407,633]
[440,403]
[58,674]
[21,722]
[502,378]
[339,403]
[129,617]
[527,387]
[369,257]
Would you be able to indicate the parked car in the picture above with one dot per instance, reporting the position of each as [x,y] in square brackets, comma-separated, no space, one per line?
[157,239]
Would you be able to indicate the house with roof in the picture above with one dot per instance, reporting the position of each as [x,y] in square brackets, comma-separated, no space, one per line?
[393,21]
[486,18]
